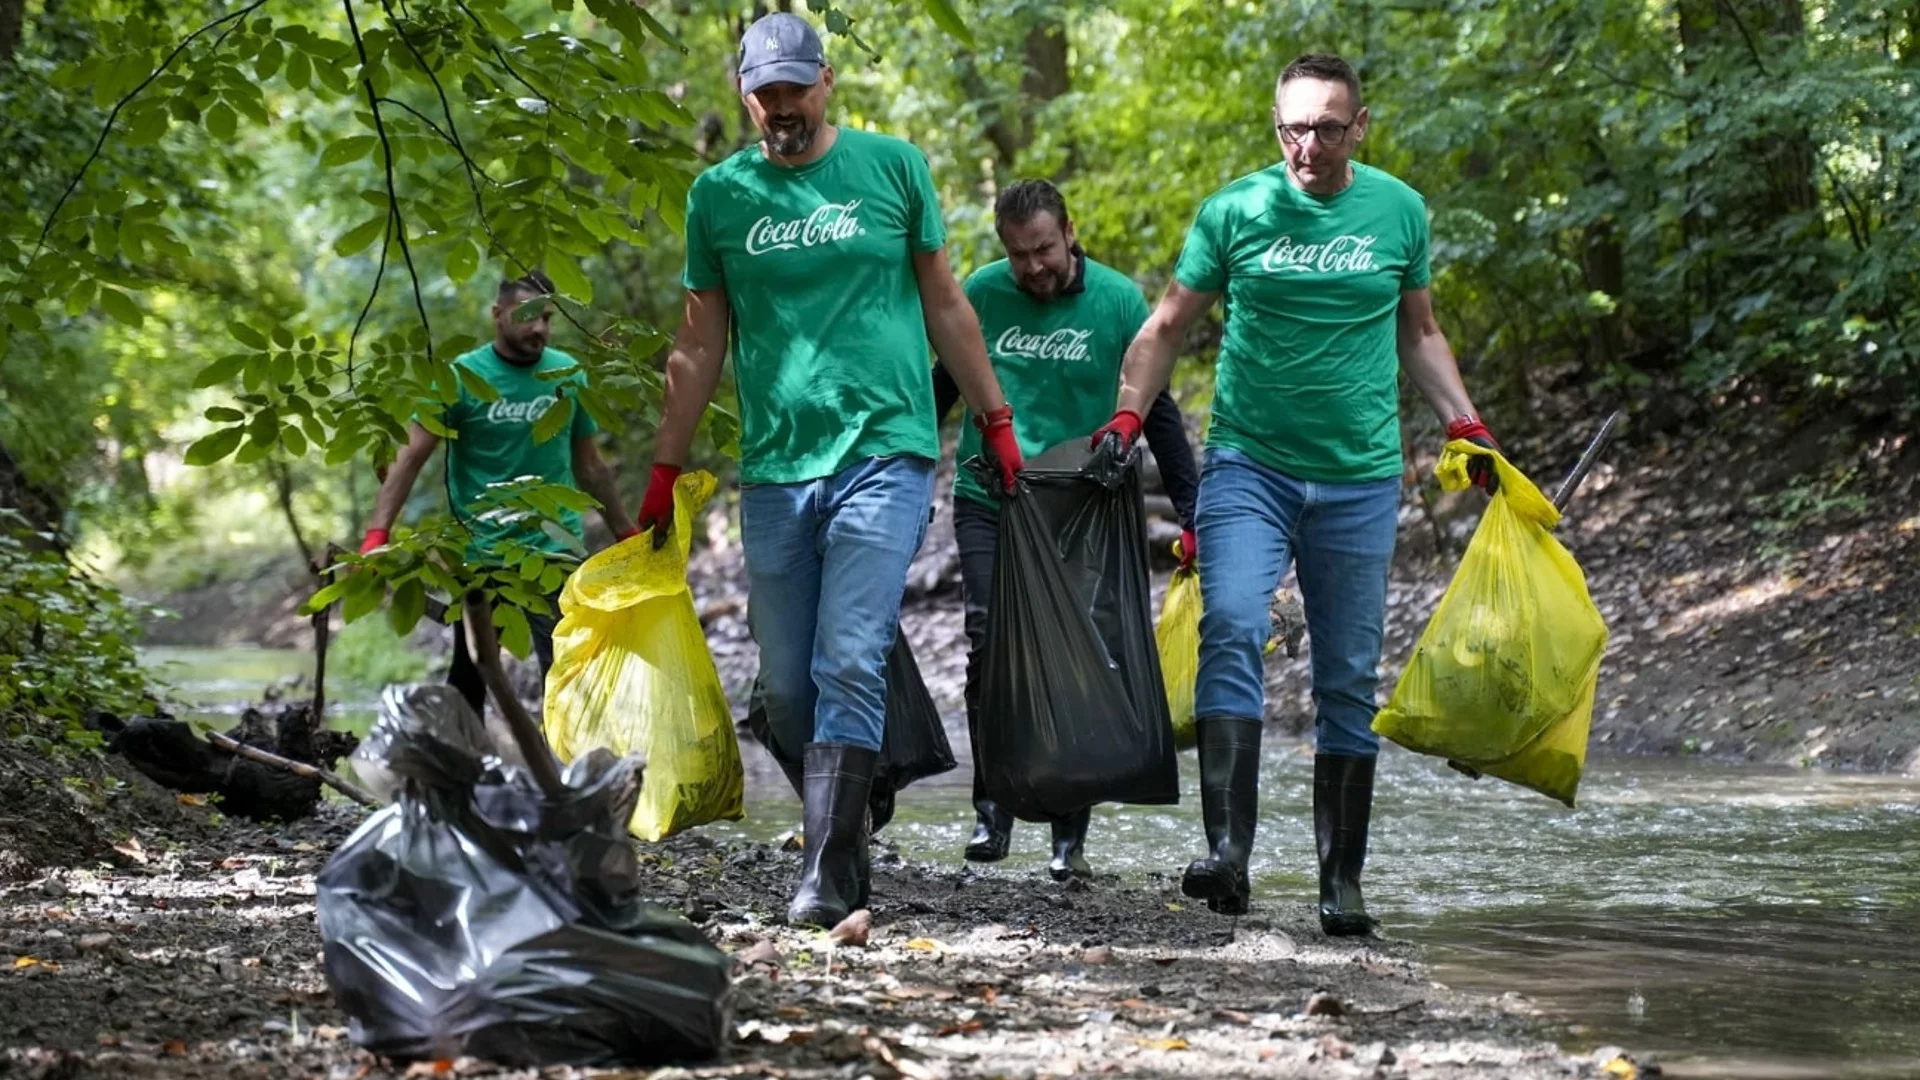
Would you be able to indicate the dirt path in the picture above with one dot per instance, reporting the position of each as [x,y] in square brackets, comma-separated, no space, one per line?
[201,959]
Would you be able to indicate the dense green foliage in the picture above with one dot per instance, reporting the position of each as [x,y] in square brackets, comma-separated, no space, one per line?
[66,642]
[251,236]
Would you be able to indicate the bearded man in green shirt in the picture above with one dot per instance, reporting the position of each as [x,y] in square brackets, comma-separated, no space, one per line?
[493,443]
[824,250]
[1056,325]
[1323,263]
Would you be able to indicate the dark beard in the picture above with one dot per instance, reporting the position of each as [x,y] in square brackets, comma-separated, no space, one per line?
[519,359]
[790,141]
[1061,282]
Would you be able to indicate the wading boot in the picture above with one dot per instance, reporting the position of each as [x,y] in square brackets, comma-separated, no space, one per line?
[1069,847]
[834,868]
[992,831]
[1342,806]
[1229,805]
[992,826]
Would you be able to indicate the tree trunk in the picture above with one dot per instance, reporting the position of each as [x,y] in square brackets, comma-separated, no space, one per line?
[13,15]
[1011,121]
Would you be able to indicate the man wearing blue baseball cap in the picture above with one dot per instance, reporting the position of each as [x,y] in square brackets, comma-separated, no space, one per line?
[825,250]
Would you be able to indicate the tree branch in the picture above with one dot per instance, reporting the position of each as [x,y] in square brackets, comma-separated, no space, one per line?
[393,194]
[127,99]
[283,487]
[297,768]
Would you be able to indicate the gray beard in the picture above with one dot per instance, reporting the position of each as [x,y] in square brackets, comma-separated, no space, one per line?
[790,142]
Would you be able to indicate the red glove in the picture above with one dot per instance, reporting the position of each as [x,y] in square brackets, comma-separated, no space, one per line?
[656,506]
[1126,424]
[375,538]
[1479,469]
[1189,549]
[996,437]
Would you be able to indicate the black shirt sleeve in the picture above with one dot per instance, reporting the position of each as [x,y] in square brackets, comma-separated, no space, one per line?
[946,393]
[1167,438]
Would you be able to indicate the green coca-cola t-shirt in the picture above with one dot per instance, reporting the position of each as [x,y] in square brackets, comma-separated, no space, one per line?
[1307,381]
[1058,361]
[829,345]
[494,444]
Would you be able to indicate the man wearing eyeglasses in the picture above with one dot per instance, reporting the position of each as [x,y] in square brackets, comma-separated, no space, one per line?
[1323,263]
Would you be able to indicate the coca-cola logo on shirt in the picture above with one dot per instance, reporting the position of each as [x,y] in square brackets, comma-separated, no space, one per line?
[828,223]
[518,412]
[1342,254]
[1062,344]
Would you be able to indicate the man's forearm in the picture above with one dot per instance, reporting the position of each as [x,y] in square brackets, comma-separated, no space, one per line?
[395,489]
[596,479]
[955,332]
[1430,364]
[692,375]
[1147,365]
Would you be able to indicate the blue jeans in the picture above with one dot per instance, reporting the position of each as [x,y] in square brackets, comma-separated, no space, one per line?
[1251,522]
[826,565]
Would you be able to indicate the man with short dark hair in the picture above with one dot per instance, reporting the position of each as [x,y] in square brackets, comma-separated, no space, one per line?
[1056,325]
[1323,263]
[494,443]
[824,249]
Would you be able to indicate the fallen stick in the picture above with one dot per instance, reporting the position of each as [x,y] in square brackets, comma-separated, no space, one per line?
[298,768]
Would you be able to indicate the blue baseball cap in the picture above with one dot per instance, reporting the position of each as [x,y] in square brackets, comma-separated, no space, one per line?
[780,48]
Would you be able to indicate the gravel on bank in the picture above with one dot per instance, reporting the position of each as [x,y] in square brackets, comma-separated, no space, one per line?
[200,958]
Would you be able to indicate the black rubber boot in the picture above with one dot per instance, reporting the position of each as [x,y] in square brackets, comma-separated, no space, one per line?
[1070,847]
[992,826]
[834,872]
[1342,807]
[1229,806]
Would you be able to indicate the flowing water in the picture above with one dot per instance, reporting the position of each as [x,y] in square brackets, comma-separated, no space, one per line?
[1730,921]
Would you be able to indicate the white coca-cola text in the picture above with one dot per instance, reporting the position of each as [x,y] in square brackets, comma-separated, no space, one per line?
[1062,344]
[1347,253]
[828,222]
[518,412]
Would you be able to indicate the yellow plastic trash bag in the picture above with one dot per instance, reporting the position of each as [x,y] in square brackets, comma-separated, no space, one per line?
[1502,679]
[631,672]
[1178,636]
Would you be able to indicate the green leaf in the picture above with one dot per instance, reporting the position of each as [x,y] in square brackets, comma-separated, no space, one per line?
[216,446]
[409,603]
[515,635]
[476,386]
[362,598]
[949,20]
[247,335]
[570,281]
[268,62]
[121,307]
[351,148]
[554,421]
[294,440]
[221,414]
[299,70]
[148,126]
[81,299]
[283,337]
[325,597]
[221,122]
[264,428]
[361,236]
[462,261]
[659,30]
[220,371]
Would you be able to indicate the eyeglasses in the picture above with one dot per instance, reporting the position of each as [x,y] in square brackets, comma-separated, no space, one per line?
[1329,132]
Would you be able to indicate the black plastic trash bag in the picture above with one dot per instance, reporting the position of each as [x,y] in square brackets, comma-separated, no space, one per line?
[1073,711]
[473,917]
[914,744]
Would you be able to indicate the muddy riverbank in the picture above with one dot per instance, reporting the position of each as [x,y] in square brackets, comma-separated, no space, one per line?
[199,957]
